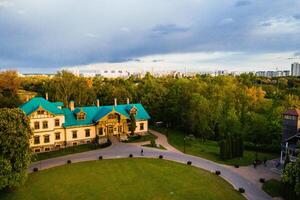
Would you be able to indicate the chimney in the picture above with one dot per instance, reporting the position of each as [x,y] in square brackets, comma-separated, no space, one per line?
[46,96]
[127,100]
[71,105]
[115,101]
[97,103]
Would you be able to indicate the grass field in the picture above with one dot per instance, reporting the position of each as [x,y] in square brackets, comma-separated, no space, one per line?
[68,150]
[143,138]
[209,149]
[122,179]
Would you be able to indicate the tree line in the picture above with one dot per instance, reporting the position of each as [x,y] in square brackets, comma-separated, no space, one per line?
[205,106]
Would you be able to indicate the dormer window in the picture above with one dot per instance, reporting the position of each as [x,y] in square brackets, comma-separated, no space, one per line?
[133,110]
[81,116]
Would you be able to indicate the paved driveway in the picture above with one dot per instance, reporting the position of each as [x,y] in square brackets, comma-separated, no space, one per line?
[122,150]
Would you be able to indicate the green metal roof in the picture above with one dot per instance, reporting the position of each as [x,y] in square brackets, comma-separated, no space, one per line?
[93,113]
[34,103]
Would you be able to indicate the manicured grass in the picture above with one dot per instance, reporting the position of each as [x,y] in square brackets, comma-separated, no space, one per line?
[122,179]
[157,147]
[68,150]
[209,149]
[273,187]
[143,138]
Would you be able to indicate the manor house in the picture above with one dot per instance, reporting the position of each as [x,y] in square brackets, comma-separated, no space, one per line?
[55,126]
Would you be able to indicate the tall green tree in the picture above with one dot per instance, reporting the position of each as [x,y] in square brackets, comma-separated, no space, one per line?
[15,154]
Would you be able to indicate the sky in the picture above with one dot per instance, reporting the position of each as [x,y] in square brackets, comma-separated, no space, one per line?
[198,35]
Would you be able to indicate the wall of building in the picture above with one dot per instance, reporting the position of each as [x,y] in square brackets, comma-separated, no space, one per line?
[81,137]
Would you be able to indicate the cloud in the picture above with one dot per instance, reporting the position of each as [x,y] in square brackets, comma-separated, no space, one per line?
[6,4]
[48,35]
[165,29]
[297,53]
[297,16]
[242,3]
[227,21]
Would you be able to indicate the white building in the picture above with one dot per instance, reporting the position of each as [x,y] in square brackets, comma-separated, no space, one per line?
[295,69]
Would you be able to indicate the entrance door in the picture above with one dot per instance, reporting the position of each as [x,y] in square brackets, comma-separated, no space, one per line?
[110,131]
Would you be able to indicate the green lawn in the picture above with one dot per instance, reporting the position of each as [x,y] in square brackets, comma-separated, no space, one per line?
[68,150]
[209,149]
[273,187]
[143,138]
[122,179]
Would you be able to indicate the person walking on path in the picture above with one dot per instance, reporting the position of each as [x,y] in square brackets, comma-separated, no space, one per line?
[142,152]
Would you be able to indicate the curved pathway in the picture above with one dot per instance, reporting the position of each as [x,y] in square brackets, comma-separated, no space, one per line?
[122,150]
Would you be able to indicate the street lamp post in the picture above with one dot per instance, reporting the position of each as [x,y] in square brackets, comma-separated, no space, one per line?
[184,144]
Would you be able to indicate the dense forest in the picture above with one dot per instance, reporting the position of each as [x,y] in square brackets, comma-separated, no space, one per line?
[205,106]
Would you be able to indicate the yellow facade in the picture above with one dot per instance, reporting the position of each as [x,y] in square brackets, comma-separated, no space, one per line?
[50,134]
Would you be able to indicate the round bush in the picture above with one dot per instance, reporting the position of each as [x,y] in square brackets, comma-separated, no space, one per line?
[241,190]
[100,157]
[35,169]
[218,172]
[69,161]
[160,156]
[189,162]
[262,180]
[130,155]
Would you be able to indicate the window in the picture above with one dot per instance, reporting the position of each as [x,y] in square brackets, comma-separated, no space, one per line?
[36,125]
[290,117]
[88,141]
[57,146]
[100,131]
[129,127]
[74,134]
[87,132]
[37,150]
[46,138]
[47,149]
[112,116]
[36,139]
[81,116]
[141,126]
[45,124]
[75,144]
[57,122]
[57,136]
[40,112]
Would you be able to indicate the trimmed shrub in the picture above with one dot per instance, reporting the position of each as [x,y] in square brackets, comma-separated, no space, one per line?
[100,157]
[130,155]
[35,169]
[160,156]
[218,172]
[241,190]
[152,143]
[189,162]
[262,180]
[236,165]
[69,161]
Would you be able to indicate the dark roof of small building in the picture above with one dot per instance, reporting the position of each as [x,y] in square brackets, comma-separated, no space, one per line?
[294,112]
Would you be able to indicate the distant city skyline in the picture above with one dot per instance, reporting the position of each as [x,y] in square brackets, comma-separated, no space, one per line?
[237,35]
